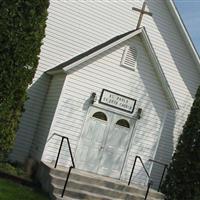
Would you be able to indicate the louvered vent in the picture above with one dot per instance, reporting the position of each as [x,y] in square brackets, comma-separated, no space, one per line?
[129,58]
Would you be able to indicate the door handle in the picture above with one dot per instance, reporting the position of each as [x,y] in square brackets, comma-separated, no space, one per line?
[100,148]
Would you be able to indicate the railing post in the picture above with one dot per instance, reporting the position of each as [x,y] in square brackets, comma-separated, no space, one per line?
[150,181]
[132,170]
[72,159]
[165,167]
[70,151]
[59,152]
[66,181]
[148,187]
[144,166]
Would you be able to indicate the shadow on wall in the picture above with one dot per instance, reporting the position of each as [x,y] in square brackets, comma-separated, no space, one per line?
[165,148]
[174,42]
[185,74]
[168,138]
[178,50]
[154,109]
[29,120]
[47,115]
[139,175]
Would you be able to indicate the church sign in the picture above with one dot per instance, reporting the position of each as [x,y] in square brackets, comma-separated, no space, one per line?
[118,101]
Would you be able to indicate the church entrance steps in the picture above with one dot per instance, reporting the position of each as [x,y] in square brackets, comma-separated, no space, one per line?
[80,194]
[84,185]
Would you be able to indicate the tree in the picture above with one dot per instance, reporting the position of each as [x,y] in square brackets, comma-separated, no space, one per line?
[22,28]
[183,177]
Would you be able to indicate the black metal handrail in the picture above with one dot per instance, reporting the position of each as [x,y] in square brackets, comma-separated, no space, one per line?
[163,173]
[137,157]
[61,143]
[150,181]
[72,159]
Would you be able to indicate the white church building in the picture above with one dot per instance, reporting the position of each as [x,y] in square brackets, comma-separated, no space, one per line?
[116,81]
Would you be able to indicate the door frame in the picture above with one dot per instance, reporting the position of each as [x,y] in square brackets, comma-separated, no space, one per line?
[111,110]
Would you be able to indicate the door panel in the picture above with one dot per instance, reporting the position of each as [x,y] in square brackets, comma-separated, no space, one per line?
[90,149]
[115,147]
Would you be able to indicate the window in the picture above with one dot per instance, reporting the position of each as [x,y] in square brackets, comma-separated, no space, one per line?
[100,115]
[129,58]
[123,122]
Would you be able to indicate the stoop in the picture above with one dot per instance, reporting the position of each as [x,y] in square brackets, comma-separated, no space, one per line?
[85,185]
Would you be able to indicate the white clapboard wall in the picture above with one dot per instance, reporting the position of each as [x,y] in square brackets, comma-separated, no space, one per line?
[76,26]
[105,71]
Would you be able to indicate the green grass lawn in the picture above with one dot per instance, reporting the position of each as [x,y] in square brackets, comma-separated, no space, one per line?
[13,191]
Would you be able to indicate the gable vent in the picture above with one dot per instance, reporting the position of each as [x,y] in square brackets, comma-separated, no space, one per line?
[129,58]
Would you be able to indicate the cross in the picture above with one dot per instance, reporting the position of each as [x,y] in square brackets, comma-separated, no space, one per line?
[142,12]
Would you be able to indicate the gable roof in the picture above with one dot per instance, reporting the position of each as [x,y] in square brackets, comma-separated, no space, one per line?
[75,61]
[87,53]
[174,11]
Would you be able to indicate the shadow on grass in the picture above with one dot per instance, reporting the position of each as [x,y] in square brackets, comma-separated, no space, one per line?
[13,191]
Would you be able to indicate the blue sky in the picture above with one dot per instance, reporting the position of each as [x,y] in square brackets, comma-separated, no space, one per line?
[190,13]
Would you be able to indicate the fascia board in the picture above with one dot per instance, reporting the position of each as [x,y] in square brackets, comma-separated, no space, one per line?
[159,71]
[101,50]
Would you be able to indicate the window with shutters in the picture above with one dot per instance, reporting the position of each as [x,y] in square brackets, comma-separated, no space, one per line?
[129,58]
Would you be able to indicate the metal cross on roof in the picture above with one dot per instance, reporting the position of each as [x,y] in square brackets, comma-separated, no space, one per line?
[142,12]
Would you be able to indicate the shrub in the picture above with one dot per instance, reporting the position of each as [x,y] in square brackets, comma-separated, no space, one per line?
[22,28]
[183,177]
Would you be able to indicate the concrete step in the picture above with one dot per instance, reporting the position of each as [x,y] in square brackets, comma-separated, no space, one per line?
[114,184]
[102,184]
[99,190]
[85,185]
[58,197]
[80,194]
[94,190]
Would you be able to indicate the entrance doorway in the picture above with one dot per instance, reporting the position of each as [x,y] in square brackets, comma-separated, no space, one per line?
[104,142]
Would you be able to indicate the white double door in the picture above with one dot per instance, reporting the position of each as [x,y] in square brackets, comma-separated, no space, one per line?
[104,142]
